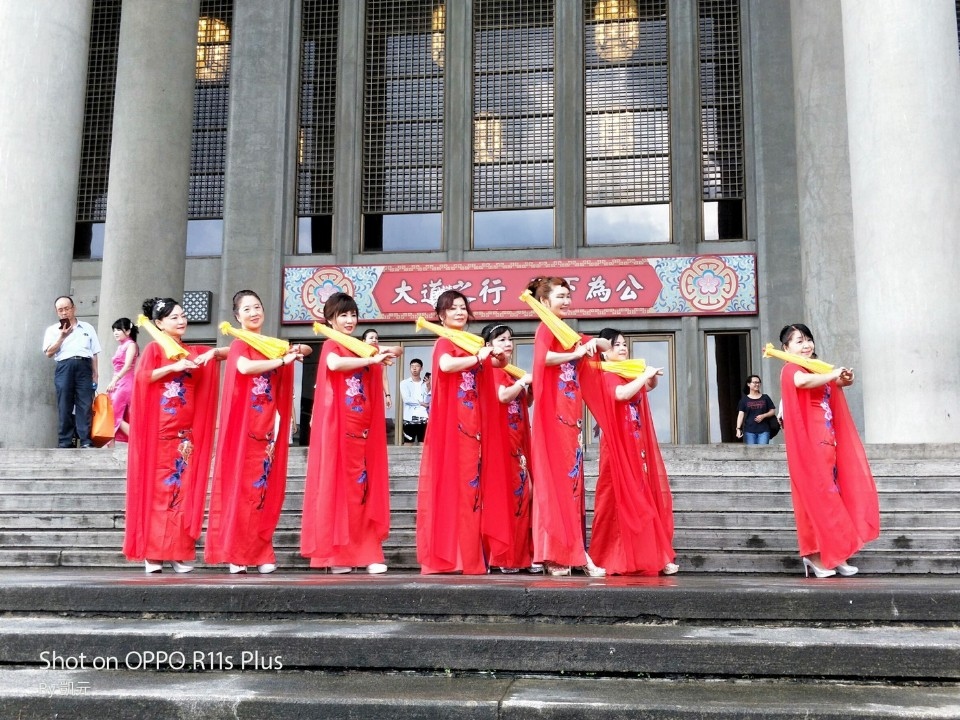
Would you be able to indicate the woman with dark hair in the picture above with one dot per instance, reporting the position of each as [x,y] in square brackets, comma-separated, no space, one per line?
[633,509]
[449,535]
[171,435]
[346,499]
[754,410]
[835,501]
[120,388]
[508,408]
[559,532]
[372,337]
[250,475]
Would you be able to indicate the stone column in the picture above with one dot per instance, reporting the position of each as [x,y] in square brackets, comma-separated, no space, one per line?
[903,100]
[145,238]
[568,115]
[457,123]
[43,69]
[827,258]
[348,137]
[261,146]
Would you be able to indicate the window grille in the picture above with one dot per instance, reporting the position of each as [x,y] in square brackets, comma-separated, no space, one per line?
[98,111]
[721,100]
[627,125]
[318,95]
[210,109]
[403,107]
[513,104]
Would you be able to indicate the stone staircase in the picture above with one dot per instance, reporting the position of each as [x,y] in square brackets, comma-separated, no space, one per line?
[739,633]
[732,509]
[118,644]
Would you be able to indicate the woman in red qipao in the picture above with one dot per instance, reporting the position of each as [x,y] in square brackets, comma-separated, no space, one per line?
[507,491]
[250,475]
[171,434]
[449,535]
[633,509]
[835,501]
[559,515]
[346,500]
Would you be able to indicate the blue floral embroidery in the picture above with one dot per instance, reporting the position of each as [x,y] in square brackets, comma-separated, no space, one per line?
[568,383]
[467,391]
[262,482]
[355,397]
[174,394]
[262,391]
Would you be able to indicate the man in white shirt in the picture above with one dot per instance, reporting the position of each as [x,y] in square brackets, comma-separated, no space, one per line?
[74,345]
[414,408]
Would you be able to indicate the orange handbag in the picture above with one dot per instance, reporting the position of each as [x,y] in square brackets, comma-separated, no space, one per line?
[102,429]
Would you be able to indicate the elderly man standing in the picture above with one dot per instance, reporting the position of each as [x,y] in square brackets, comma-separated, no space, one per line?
[74,345]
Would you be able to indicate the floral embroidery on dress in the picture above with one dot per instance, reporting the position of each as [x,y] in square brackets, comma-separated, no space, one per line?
[261,482]
[522,477]
[355,397]
[262,391]
[175,481]
[467,392]
[568,383]
[174,394]
[634,421]
[514,415]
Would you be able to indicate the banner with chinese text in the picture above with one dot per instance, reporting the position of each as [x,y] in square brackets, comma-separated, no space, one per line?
[603,287]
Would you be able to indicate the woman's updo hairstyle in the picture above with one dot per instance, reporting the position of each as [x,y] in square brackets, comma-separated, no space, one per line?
[540,287]
[240,295]
[158,308]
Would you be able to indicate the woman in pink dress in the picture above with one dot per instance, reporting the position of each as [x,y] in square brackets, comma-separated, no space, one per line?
[120,388]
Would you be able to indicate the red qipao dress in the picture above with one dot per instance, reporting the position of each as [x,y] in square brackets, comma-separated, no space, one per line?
[123,391]
[346,500]
[835,501]
[633,508]
[250,475]
[558,503]
[449,537]
[168,461]
[505,480]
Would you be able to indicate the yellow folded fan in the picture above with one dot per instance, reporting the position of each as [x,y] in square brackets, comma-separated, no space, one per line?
[357,347]
[464,340]
[627,369]
[171,348]
[461,338]
[813,365]
[567,336]
[270,347]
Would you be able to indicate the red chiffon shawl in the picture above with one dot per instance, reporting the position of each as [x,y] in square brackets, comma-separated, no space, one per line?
[633,513]
[142,451]
[326,521]
[438,496]
[836,514]
[235,417]
[551,464]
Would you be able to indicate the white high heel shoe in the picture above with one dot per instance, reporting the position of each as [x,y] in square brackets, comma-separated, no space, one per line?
[820,572]
[847,570]
[592,570]
[376,568]
[671,569]
[237,569]
[179,567]
[150,567]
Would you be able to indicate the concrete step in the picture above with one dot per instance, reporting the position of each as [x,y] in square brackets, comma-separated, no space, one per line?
[465,646]
[30,694]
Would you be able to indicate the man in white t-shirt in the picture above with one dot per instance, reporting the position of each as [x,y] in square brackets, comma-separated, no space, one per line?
[414,407]
[75,346]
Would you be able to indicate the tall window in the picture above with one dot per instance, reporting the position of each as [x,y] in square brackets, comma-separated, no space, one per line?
[513,128]
[97,129]
[403,125]
[721,117]
[211,103]
[318,95]
[626,46]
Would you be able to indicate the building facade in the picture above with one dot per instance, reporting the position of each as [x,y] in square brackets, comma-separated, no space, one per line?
[192,148]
